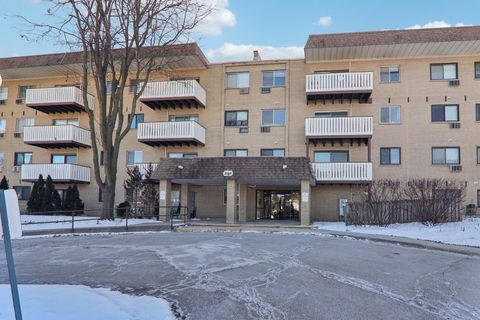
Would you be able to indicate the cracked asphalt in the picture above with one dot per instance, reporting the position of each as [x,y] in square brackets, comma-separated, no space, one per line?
[209,275]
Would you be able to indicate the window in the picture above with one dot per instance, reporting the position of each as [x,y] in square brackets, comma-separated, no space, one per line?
[64,158]
[477,112]
[2,159]
[237,80]
[478,155]
[477,70]
[443,71]
[235,152]
[22,91]
[273,117]
[64,122]
[331,114]
[182,155]
[193,117]
[330,156]
[236,118]
[272,152]
[478,198]
[390,114]
[441,113]
[3,125]
[390,74]
[3,93]
[134,157]
[22,158]
[23,192]
[274,78]
[22,123]
[108,87]
[445,155]
[390,156]
[137,118]
[135,85]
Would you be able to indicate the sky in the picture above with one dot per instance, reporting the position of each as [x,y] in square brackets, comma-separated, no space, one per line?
[277,28]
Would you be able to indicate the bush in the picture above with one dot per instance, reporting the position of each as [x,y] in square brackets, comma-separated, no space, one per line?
[35,202]
[72,200]
[122,209]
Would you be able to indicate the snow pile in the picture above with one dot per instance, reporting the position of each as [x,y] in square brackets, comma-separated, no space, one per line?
[66,222]
[80,302]
[466,232]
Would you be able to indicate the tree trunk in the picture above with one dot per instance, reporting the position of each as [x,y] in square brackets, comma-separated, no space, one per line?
[108,204]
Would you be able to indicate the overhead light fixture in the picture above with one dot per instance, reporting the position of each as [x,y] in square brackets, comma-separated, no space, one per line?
[284,167]
[180,167]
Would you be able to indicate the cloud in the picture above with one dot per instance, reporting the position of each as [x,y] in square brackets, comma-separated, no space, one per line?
[325,21]
[437,24]
[220,17]
[236,52]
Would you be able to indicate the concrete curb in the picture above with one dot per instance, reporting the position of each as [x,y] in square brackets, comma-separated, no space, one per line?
[422,244]
[132,228]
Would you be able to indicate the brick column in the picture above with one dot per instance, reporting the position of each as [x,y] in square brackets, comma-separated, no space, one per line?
[242,206]
[164,199]
[185,198]
[305,201]
[231,199]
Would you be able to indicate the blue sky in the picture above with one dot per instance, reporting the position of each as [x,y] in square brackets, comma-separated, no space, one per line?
[278,28]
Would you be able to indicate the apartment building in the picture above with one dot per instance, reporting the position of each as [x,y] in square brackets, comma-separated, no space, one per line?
[264,139]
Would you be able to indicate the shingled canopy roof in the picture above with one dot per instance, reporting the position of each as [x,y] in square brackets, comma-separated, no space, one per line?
[257,171]
[394,43]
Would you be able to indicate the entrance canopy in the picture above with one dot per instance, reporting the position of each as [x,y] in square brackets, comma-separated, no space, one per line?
[256,172]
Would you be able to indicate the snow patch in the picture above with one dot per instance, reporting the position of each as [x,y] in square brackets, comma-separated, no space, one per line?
[80,302]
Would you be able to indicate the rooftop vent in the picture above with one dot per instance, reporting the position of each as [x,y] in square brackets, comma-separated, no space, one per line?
[256,55]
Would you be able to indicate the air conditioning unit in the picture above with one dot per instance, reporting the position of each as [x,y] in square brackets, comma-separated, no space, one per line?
[265,90]
[456,168]
[20,101]
[454,83]
[243,130]
[264,129]
[454,125]
[244,90]
[18,134]
[16,168]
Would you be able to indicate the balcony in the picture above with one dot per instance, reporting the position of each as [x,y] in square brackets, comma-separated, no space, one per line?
[342,127]
[67,136]
[339,86]
[181,133]
[344,172]
[57,100]
[174,94]
[60,172]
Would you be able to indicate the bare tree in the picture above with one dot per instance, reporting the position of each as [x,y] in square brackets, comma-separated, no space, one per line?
[119,40]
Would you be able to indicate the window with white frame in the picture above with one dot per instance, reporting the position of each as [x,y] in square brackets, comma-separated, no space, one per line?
[64,158]
[445,113]
[3,93]
[134,157]
[390,114]
[22,123]
[446,155]
[235,152]
[3,125]
[275,78]
[64,122]
[238,80]
[443,71]
[273,117]
[390,74]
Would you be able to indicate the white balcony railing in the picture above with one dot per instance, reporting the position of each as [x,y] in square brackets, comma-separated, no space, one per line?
[56,96]
[171,131]
[343,171]
[175,90]
[56,134]
[339,82]
[144,167]
[59,172]
[338,127]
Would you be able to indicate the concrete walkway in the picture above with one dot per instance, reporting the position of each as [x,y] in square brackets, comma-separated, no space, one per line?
[267,228]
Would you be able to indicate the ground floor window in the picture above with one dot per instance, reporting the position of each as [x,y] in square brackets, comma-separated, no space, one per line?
[330,156]
[64,158]
[182,155]
[235,152]
[272,152]
[23,192]
[277,205]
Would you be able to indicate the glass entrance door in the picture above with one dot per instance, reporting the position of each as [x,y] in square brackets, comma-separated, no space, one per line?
[278,205]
